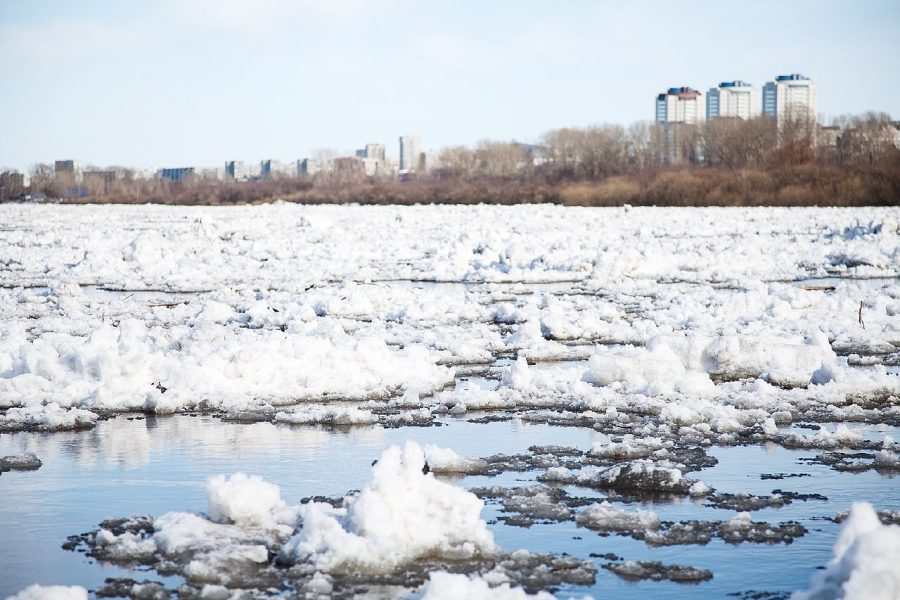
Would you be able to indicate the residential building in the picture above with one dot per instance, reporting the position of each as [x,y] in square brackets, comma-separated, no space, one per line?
[411,157]
[373,155]
[211,174]
[176,173]
[275,169]
[790,99]
[372,151]
[732,99]
[236,170]
[307,166]
[103,176]
[679,105]
[12,184]
[68,171]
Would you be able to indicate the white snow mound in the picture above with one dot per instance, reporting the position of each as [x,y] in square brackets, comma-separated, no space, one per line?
[51,592]
[864,566]
[448,586]
[400,516]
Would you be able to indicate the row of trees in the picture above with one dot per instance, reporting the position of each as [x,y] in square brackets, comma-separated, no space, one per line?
[596,153]
[726,161]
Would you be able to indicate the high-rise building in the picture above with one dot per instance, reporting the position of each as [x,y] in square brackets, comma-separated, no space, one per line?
[372,151]
[67,171]
[410,153]
[373,156]
[790,98]
[679,105]
[732,99]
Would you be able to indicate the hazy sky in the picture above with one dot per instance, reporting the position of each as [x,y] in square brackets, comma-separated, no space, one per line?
[198,82]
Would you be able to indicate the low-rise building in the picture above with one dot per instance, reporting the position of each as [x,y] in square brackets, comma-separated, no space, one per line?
[236,170]
[307,166]
[275,169]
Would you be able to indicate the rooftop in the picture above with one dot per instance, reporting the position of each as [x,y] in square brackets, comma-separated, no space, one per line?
[792,77]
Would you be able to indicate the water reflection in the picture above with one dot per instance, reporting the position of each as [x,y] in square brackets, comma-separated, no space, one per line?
[152,465]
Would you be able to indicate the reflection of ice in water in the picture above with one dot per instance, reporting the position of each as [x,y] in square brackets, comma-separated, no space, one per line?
[130,443]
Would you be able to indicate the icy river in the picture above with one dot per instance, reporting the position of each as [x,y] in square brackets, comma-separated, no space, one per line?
[445,402]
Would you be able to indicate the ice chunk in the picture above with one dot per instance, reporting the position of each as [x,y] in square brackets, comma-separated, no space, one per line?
[448,586]
[864,565]
[242,500]
[400,516]
[326,415]
[51,592]
[23,462]
[605,517]
[445,460]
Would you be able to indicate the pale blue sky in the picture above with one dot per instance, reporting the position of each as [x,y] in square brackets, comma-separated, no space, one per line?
[198,82]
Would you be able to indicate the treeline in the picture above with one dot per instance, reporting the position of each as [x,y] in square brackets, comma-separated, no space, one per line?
[729,162]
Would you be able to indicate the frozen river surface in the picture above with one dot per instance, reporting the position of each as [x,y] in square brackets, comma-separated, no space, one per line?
[617,402]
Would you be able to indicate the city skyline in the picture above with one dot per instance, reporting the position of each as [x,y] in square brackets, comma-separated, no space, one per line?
[200,82]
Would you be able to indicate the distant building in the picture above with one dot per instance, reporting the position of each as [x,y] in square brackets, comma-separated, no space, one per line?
[307,166]
[679,105]
[67,171]
[347,164]
[236,170]
[275,169]
[790,98]
[373,156]
[211,174]
[12,184]
[372,151]
[176,173]
[102,176]
[411,157]
[732,99]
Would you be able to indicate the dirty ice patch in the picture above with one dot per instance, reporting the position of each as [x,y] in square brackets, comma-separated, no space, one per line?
[403,514]
[864,565]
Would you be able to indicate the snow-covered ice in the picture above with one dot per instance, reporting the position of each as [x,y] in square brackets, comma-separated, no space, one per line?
[864,565]
[665,332]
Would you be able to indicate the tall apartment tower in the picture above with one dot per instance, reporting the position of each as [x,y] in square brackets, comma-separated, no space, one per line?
[790,98]
[410,153]
[679,105]
[736,99]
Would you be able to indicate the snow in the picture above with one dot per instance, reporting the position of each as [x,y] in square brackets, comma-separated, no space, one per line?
[670,327]
[51,592]
[401,515]
[445,460]
[282,310]
[448,586]
[247,501]
[864,565]
[605,517]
